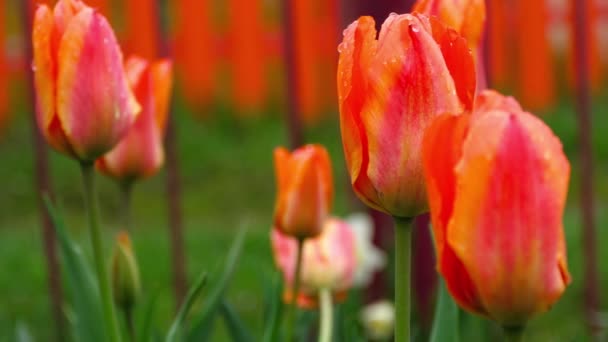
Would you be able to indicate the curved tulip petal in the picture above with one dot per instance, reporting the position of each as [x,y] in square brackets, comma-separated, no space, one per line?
[442,149]
[489,100]
[459,60]
[94,102]
[356,52]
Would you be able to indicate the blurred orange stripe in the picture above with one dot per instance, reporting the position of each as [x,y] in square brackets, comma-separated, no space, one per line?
[195,51]
[247,55]
[593,52]
[499,38]
[536,77]
[307,50]
[329,35]
[141,29]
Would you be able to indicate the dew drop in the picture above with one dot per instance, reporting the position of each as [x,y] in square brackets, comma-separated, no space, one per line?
[415,28]
[34,67]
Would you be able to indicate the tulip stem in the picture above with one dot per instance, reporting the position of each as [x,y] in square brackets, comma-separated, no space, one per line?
[90,201]
[403,241]
[291,311]
[327,315]
[126,192]
[514,333]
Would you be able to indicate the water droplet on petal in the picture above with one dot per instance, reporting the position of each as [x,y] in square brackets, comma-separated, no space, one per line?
[415,28]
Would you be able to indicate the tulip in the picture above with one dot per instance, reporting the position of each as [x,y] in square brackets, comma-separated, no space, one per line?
[378,320]
[140,153]
[304,190]
[125,273]
[329,261]
[497,181]
[85,105]
[389,90]
[126,283]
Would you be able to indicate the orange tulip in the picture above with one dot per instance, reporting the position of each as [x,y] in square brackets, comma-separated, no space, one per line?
[389,90]
[497,182]
[85,103]
[140,153]
[304,190]
[328,261]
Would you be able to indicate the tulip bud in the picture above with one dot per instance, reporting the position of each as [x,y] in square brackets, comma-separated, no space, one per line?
[389,90]
[140,153]
[85,105]
[497,181]
[328,261]
[378,320]
[126,283]
[304,190]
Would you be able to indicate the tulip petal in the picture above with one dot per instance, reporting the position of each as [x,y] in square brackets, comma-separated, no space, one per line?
[517,173]
[459,60]
[94,102]
[404,93]
[356,51]
[442,149]
[489,100]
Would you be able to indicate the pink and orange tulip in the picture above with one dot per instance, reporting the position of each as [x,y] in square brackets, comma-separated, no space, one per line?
[304,190]
[85,105]
[329,261]
[389,90]
[140,153]
[497,181]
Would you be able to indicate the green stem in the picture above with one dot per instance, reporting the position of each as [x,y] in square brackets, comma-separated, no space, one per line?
[90,200]
[291,311]
[514,333]
[403,241]
[327,315]
[126,191]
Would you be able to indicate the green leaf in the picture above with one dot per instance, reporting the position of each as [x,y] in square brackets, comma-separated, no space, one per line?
[445,325]
[273,310]
[144,328]
[193,293]
[234,324]
[84,294]
[200,330]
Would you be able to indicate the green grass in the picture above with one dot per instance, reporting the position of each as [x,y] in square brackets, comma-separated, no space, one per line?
[228,179]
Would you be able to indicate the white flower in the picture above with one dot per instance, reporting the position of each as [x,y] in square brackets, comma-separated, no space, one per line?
[369,258]
[378,320]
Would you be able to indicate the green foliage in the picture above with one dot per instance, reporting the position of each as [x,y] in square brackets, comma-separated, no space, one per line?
[80,281]
[446,324]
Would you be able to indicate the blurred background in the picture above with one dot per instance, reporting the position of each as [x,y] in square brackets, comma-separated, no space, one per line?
[242,88]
